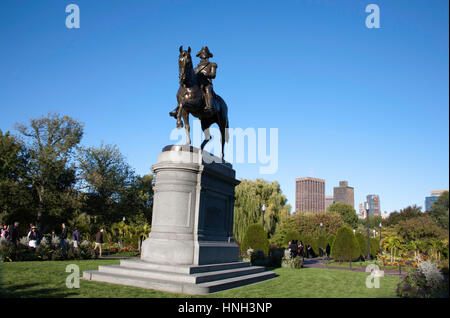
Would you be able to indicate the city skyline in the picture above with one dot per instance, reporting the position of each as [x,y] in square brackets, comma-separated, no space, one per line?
[350,103]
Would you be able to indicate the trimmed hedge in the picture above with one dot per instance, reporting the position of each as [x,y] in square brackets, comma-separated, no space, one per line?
[330,239]
[255,238]
[345,247]
[292,236]
[362,242]
[374,247]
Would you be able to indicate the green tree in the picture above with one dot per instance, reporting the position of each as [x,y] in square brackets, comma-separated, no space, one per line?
[255,237]
[404,214]
[321,244]
[330,239]
[374,246]
[393,244]
[419,228]
[309,223]
[16,200]
[284,231]
[108,183]
[345,247]
[51,142]
[440,210]
[250,197]
[362,242]
[291,236]
[347,213]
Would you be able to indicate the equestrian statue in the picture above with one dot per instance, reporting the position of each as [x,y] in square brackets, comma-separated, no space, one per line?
[197,97]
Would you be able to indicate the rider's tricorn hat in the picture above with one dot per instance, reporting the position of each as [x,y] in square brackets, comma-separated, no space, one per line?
[204,52]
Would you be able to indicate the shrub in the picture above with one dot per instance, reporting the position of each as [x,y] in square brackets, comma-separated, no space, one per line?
[362,244]
[255,237]
[330,239]
[56,241]
[276,256]
[374,247]
[24,241]
[289,262]
[322,242]
[425,282]
[291,236]
[43,252]
[345,247]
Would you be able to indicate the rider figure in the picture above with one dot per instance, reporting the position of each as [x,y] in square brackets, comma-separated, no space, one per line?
[205,73]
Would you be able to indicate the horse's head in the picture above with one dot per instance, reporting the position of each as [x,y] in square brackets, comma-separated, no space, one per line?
[184,63]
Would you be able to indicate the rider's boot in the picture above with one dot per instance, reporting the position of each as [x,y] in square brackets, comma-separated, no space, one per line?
[208,105]
[174,112]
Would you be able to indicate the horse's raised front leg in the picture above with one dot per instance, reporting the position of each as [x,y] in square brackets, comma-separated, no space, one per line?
[187,127]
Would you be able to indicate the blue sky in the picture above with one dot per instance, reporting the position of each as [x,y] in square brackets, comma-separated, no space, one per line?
[370,106]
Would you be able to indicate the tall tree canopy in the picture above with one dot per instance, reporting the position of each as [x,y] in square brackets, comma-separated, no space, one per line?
[15,197]
[51,141]
[347,212]
[439,210]
[404,214]
[250,197]
[106,177]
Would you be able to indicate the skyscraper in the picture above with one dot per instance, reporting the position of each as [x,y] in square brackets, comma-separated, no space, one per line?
[309,195]
[329,200]
[374,204]
[344,194]
[434,194]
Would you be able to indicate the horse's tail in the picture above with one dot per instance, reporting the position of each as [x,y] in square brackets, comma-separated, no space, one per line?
[223,113]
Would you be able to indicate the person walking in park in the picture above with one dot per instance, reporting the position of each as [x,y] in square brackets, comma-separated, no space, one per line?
[62,243]
[14,233]
[32,237]
[5,231]
[99,241]
[300,249]
[76,238]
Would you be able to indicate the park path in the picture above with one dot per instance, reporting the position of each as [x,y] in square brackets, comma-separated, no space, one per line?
[321,263]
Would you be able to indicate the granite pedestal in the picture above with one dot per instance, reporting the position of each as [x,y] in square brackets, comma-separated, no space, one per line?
[190,248]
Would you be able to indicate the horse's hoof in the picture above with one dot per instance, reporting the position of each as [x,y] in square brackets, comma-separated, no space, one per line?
[179,125]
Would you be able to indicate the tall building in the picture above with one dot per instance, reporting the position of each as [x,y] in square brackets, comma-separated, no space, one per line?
[374,204]
[309,195]
[434,194]
[344,194]
[329,200]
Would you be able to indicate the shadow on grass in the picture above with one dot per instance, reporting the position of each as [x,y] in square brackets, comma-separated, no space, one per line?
[23,291]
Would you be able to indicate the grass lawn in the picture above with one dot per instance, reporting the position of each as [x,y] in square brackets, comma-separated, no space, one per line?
[364,265]
[47,279]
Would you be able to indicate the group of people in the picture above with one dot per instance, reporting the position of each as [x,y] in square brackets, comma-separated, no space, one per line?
[297,248]
[11,233]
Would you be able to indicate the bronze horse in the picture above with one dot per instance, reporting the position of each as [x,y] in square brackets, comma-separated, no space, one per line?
[191,101]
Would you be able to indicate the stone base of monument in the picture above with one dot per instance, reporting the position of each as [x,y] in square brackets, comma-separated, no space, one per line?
[185,279]
[190,249]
